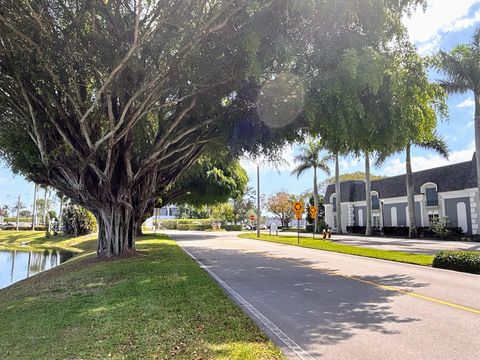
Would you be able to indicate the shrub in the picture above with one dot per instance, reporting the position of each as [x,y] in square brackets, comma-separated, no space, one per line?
[465,261]
[174,224]
[396,231]
[78,221]
[356,229]
[24,228]
[233,227]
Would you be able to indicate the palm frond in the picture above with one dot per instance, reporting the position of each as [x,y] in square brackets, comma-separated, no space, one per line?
[300,169]
[437,144]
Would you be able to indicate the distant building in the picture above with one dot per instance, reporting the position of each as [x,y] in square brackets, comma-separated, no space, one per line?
[447,191]
[165,213]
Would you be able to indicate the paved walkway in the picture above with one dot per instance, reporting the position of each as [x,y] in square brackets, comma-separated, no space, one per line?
[418,246]
[323,305]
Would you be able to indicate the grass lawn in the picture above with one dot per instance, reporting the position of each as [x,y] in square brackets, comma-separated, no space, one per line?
[418,259]
[36,240]
[156,305]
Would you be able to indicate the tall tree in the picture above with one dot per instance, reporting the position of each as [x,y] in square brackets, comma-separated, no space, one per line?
[419,104]
[110,102]
[281,205]
[310,158]
[462,75]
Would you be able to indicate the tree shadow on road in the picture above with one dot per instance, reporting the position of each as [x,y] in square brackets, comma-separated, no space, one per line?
[312,305]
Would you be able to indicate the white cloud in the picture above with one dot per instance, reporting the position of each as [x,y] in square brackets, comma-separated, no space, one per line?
[350,164]
[466,103]
[286,161]
[441,16]
[396,166]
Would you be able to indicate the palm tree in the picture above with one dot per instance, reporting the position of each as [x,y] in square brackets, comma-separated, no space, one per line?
[461,67]
[310,158]
[434,143]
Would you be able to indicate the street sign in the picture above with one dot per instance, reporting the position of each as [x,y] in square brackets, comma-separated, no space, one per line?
[313,212]
[298,209]
[297,206]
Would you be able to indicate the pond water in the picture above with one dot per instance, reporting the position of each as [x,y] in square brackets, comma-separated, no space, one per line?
[17,265]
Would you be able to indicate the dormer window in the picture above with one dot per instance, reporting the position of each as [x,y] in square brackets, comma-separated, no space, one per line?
[375,202]
[431,194]
[333,200]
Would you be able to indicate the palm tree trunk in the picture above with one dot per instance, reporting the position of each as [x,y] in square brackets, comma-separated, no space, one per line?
[338,195]
[60,214]
[45,206]
[412,232]
[368,196]
[34,207]
[477,144]
[315,197]
[18,212]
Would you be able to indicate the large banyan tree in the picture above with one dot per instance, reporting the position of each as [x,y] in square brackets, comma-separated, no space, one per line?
[112,101]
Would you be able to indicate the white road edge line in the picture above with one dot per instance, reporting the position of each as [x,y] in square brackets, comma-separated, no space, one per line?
[292,345]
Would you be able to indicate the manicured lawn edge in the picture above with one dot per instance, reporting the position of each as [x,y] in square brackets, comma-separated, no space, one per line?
[157,304]
[417,259]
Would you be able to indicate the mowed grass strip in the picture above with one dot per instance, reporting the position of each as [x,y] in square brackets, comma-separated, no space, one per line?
[156,305]
[418,259]
[36,241]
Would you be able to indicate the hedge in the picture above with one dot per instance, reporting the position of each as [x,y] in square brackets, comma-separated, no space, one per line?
[402,231]
[23,228]
[183,224]
[465,261]
[233,227]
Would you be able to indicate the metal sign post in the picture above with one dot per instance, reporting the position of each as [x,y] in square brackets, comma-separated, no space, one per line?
[298,209]
[313,215]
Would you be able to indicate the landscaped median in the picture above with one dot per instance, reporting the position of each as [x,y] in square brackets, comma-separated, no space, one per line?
[157,304]
[418,259]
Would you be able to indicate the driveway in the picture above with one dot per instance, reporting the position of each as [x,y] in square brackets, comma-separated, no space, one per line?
[322,305]
[418,246]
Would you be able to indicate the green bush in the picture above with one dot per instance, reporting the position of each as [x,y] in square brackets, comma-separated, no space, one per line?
[78,221]
[465,261]
[182,224]
[233,227]
[23,228]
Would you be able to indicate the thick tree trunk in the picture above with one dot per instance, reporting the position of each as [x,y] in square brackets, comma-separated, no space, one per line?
[117,228]
[368,195]
[338,195]
[315,197]
[412,231]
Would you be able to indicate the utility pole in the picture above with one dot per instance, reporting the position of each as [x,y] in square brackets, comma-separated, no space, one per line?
[34,207]
[18,211]
[258,201]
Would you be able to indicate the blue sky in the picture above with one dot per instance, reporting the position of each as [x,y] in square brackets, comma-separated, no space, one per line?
[444,24]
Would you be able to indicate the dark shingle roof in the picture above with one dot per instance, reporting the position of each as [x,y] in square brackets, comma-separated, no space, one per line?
[448,178]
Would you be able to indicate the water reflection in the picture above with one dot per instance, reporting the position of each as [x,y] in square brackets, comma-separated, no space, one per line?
[17,265]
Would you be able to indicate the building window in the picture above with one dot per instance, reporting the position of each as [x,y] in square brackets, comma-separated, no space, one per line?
[334,221]
[431,216]
[375,202]
[376,220]
[432,196]
[334,202]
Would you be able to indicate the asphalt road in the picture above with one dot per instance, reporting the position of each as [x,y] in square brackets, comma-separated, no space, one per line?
[322,305]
